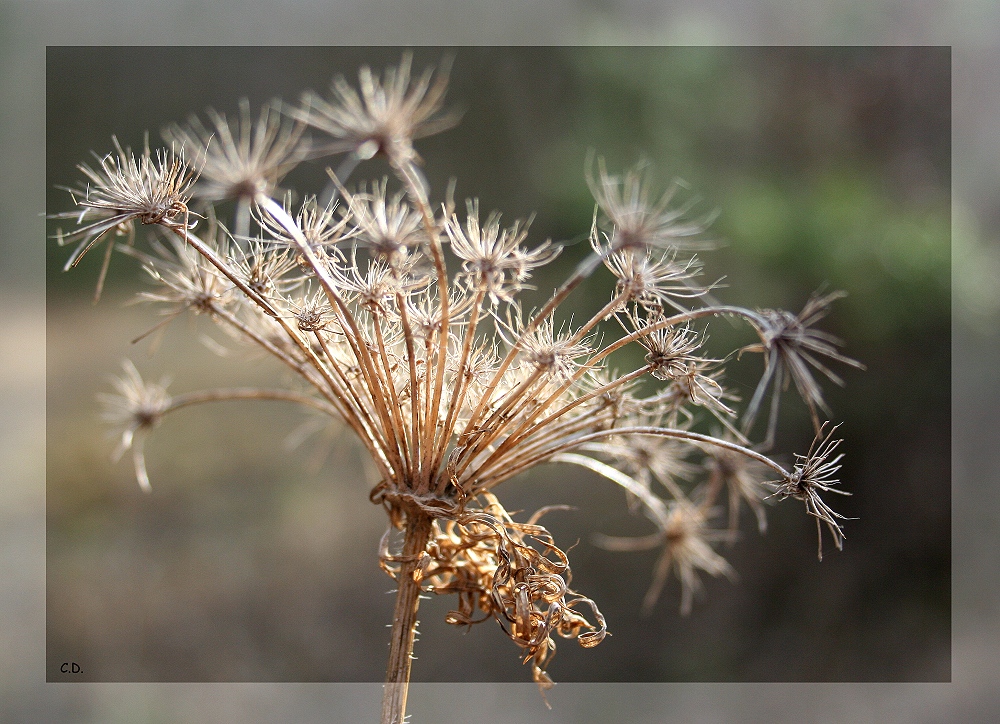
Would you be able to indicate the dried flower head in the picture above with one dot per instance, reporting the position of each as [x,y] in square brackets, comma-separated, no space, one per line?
[135,408]
[386,116]
[311,312]
[387,226]
[492,258]
[185,279]
[687,548]
[634,221]
[791,346]
[123,189]
[377,286]
[546,350]
[447,384]
[241,158]
[653,281]
[671,348]
[742,477]
[265,268]
[424,312]
[813,474]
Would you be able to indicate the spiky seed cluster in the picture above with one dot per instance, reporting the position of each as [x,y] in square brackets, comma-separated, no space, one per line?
[791,346]
[385,116]
[813,474]
[447,383]
[241,159]
[634,222]
[185,279]
[493,259]
[135,408]
[125,188]
[654,279]
[386,225]
[263,269]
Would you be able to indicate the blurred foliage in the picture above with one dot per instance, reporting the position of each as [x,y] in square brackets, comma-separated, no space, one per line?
[827,166]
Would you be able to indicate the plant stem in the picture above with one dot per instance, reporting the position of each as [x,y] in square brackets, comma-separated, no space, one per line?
[404,621]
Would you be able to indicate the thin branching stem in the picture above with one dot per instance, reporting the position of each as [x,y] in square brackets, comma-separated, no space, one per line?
[398,429]
[360,414]
[416,192]
[411,360]
[567,445]
[249,393]
[458,395]
[525,429]
[480,437]
[605,313]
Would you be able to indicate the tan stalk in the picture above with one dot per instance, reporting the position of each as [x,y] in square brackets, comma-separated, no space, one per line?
[566,445]
[368,431]
[411,360]
[416,194]
[458,396]
[248,393]
[481,436]
[358,344]
[398,429]
[404,620]
[523,432]
[605,313]
[553,434]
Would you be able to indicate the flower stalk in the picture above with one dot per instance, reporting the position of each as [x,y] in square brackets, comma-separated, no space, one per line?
[404,617]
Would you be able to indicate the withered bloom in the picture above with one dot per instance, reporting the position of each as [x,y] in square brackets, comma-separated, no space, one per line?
[135,408]
[385,116]
[123,189]
[241,158]
[790,347]
[813,474]
[405,326]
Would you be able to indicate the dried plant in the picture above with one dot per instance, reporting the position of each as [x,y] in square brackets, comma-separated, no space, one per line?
[403,321]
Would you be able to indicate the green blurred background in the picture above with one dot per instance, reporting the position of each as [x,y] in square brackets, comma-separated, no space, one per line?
[252,562]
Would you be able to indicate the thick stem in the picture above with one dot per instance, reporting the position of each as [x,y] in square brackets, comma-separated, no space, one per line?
[404,621]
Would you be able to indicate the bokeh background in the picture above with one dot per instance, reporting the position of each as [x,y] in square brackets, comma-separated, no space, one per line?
[248,563]
[843,603]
